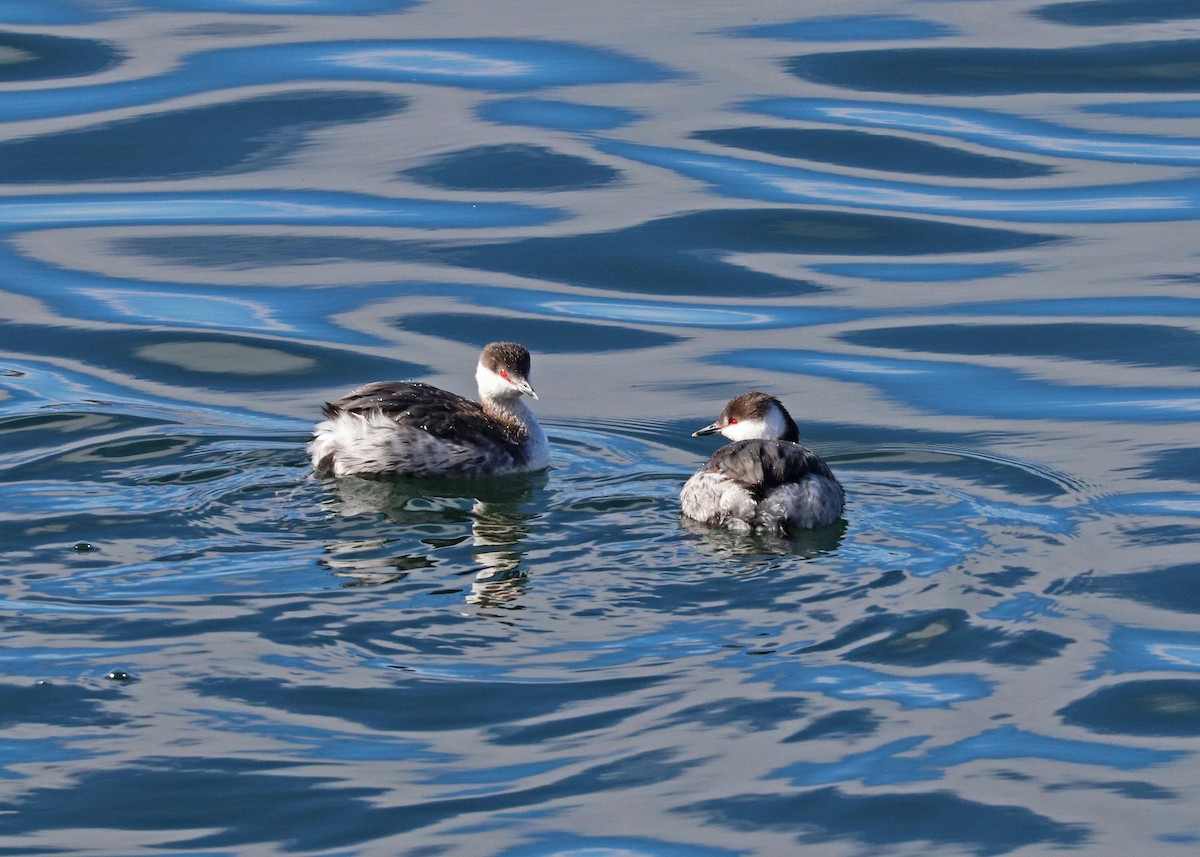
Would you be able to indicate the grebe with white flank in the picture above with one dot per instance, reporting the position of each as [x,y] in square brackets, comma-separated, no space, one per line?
[765,480]
[406,428]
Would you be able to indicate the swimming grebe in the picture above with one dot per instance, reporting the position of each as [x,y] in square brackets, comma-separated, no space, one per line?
[765,480]
[406,428]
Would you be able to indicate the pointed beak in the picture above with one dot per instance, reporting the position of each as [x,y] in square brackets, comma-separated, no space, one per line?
[711,428]
[525,388]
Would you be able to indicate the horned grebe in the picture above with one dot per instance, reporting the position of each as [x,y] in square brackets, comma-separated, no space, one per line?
[765,480]
[406,428]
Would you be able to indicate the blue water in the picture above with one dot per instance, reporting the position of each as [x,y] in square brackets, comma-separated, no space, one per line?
[959,240]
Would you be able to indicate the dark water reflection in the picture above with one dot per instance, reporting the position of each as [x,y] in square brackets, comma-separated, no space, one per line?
[964,256]
[37,56]
[1109,13]
[1151,66]
[512,167]
[694,254]
[496,515]
[254,134]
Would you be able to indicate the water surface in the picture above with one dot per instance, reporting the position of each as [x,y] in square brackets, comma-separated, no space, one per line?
[958,240]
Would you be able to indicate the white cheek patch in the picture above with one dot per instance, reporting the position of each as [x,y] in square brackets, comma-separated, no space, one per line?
[745,430]
[492,386]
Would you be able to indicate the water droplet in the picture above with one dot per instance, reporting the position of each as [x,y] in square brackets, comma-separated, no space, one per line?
[83,547]
[119,675]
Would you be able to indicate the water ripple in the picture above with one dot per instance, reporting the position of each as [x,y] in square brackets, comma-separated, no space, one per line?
[890,764]
[222,213]
[982,391]
[857,28]
[35,56]
[237,136]
[565,115]
[745,179]
[493,64]
[1145,66]
[1000,130]
[56,12]
[278,207]
[284,7]
[1109,13]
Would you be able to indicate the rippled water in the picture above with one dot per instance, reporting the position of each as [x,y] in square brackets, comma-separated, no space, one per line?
[958,239]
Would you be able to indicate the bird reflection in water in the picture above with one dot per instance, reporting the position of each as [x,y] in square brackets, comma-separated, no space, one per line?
[488,516]
[806,544]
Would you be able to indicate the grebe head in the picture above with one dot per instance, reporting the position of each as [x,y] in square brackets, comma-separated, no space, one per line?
[503,372]
[751,416]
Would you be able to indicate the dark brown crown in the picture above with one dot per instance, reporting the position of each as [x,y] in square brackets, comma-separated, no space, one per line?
[508,356]
[754,405]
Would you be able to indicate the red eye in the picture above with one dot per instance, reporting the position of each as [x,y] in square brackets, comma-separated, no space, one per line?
[504,374]
[733,421]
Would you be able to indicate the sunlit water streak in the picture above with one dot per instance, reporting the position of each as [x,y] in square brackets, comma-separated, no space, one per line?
[243,208]
[1144,201]
[997,130]
[499,64]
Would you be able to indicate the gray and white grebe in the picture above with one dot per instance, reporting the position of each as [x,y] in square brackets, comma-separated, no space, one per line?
[406,428]
[765,480]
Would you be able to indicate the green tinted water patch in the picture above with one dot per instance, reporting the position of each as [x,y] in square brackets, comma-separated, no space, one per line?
[198,359]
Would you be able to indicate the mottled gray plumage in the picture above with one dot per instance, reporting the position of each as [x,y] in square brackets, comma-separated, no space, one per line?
[414,429]
[765,480]
[438,412]
[761,465]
